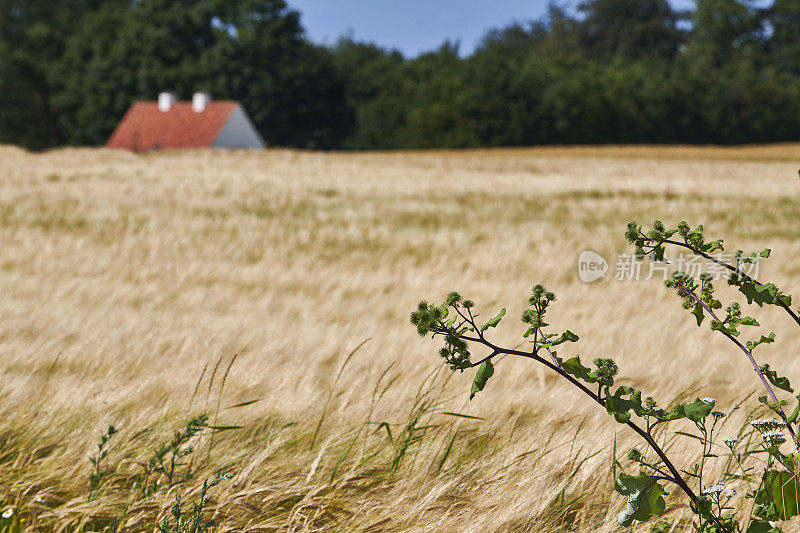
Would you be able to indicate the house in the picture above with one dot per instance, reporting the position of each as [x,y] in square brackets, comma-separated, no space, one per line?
[201,123]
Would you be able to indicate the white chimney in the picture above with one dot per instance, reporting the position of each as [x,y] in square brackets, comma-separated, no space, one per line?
[200,101]
[165,101]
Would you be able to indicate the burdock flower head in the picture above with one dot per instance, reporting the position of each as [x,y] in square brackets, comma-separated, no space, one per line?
[635,455]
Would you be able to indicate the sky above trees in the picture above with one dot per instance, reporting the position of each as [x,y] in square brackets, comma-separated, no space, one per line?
[417,26]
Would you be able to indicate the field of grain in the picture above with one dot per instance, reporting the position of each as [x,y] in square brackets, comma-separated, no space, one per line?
[129,283]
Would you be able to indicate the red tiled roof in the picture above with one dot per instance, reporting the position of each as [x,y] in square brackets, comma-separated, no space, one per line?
[144,127]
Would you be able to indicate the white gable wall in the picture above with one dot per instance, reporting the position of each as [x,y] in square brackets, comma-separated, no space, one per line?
[238,132]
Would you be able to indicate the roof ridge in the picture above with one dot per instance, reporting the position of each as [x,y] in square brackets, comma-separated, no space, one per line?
[145,127]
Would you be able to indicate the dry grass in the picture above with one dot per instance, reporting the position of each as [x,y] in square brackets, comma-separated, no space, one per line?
[122,277]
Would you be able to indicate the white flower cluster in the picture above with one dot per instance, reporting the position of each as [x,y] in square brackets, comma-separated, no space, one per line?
[730,441]
[714,489]
[730,493]
[717,414]
[708,400]
[774,438]
[768,424]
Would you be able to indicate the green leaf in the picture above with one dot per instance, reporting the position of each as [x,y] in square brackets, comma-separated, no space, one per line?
[496,320]
[747,321]
[619,407]
[485,371]
[789,461]
[667,416]
[645,498]
[773,377]
[713,246]
[573,366]
[778,496]
[793,417]
[697,410]
[564,337]
[549,341]
[762,526]
[760,293]
[698,313]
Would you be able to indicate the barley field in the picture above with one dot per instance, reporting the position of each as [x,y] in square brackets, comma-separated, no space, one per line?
[142,290]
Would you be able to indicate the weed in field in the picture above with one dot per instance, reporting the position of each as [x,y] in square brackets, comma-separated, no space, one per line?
[99,474]
[193,522]
[776,496]
[165,464]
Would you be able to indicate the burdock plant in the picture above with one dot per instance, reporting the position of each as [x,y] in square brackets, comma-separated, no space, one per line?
[775,492]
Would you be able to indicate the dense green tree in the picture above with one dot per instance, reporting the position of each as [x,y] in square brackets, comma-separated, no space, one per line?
[725,32]
[95,78]
[32,35]
[614,71]
[629,29]
[494,72]
[374,91]
[784,43]
[290,87]
[442,114]
[423,103]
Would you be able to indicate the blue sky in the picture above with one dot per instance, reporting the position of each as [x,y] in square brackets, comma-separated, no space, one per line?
[415,26]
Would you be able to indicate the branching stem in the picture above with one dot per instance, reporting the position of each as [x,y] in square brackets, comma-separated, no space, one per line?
[552,365]
[747,352]
[732,268]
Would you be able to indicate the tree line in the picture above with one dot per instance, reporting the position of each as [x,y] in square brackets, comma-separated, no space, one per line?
[611,71]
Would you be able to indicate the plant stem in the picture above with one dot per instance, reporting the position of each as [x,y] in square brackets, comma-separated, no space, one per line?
[496,350]
[749,355]
[732,268]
